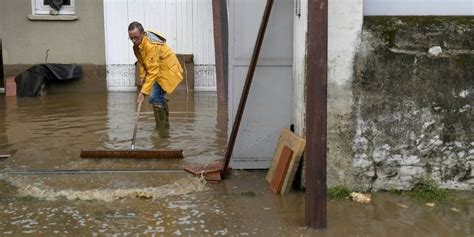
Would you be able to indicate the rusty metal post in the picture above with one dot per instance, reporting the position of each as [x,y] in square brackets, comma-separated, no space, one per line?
[248,82]
[219,12]
[316,114]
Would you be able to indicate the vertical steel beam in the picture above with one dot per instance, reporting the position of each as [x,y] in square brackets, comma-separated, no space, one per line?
[219,12]
[248,82]
[316,114]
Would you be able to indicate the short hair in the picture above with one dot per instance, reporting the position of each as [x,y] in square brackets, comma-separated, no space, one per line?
[136,25]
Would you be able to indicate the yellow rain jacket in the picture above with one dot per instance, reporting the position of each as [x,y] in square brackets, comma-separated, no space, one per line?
[157,63]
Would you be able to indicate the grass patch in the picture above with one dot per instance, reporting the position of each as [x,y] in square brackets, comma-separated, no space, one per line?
[426,191]
[429,191]
[396,191]
[338,192]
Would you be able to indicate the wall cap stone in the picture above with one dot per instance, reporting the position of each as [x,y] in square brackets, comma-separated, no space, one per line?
[52,18]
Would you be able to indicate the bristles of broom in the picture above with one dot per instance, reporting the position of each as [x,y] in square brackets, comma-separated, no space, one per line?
[136,153]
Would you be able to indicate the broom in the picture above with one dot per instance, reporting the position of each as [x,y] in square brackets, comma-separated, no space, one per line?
[133,153]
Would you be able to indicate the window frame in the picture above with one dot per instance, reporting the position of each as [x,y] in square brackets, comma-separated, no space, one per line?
[39,8]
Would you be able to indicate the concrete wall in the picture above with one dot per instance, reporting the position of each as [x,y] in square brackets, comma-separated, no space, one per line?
[345,25]
[413,94]
[27,42]
[418,7]
[399,107]
[344,28]
[300,29]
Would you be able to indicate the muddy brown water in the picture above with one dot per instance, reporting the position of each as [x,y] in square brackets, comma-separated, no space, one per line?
[49,132]
[47,190]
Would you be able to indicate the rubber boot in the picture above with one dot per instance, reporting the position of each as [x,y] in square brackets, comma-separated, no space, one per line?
[167,117]
[162,121]
[165,105]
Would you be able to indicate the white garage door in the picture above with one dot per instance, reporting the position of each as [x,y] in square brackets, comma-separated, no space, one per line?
[187,25]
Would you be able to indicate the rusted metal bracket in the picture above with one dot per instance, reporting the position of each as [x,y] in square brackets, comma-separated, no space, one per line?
[210,172]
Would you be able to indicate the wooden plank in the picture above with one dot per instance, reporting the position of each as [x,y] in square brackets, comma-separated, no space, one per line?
[10,86]
[295,143]
[281,170]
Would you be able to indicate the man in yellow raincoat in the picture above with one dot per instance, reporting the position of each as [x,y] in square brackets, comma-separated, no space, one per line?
[159,72]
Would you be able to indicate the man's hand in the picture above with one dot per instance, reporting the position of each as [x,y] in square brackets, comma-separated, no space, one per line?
[141,98]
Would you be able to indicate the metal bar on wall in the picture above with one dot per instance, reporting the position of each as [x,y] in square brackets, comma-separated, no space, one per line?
[248,82]
[316,114]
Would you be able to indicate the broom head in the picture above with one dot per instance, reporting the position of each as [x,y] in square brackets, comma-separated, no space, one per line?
[133,153]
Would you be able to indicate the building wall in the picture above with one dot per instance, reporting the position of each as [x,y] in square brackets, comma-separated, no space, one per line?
[418,7]
[399,113]
[27,42]
[300,24]
[344,28]
[345,25]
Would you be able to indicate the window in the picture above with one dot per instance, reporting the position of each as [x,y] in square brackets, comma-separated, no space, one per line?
[42,7]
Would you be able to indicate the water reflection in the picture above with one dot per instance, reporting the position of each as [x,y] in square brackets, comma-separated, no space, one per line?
[50,131]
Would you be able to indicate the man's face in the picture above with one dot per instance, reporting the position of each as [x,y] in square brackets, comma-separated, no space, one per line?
[135,36]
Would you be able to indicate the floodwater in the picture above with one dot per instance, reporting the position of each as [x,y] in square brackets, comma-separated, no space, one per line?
[49,132]
[47,190]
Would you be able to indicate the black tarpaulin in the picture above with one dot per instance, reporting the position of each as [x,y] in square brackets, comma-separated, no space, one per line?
[29,83]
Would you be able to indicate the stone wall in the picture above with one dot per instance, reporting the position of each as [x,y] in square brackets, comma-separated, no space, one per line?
[413,98]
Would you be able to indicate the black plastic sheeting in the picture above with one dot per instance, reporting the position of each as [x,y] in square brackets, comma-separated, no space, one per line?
[56,4]
[30,82]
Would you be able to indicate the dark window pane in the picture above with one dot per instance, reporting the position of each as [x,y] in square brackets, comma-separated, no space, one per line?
[65,2]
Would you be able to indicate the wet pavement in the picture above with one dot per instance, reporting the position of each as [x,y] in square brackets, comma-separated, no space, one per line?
[47,190]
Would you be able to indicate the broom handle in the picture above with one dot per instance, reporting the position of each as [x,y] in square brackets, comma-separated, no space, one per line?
[136,125]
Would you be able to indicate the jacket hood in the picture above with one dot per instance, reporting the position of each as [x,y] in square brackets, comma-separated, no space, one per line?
[155,37]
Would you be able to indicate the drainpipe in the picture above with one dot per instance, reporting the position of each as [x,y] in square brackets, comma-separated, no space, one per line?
[316,114]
